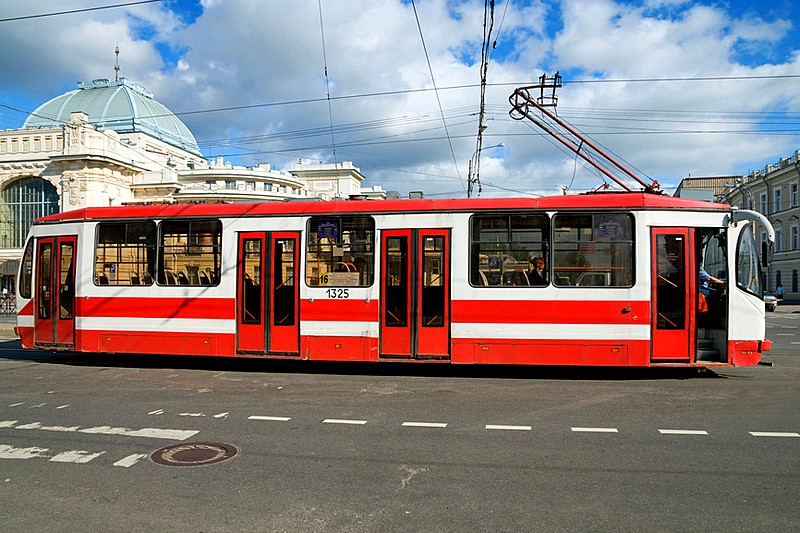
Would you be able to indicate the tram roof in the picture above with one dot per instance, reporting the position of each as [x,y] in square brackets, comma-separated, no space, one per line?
[623,200]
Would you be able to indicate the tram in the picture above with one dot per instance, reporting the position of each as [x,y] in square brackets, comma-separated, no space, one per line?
[443,280]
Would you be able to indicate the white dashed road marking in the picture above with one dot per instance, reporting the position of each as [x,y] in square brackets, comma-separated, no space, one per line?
[270,418]
[773,434]
[594,430]
[509,428]
[683,432]
[425,424]
[344,421]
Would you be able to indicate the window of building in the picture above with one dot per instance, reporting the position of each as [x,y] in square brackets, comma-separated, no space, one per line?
[341,251]
[189,252]
[125,253]
[793,237]
[778,206]
[593,250]
[230,184]
[793,195]
[794,281]
[505,249]
[22,202]
[778,239]
[763,199]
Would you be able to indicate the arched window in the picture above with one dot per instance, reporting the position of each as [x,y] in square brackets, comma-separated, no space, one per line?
[22,202]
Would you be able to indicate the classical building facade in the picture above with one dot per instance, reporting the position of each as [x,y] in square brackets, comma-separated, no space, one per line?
[111,143]
[773,192]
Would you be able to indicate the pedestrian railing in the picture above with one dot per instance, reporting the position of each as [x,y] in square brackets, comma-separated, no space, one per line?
[8,305]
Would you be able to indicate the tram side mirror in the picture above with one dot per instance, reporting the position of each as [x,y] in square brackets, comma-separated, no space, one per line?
[766,254]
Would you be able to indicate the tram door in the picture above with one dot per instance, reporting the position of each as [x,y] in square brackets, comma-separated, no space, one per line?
[267,294]
[674,294]
[415,294]
[54,323]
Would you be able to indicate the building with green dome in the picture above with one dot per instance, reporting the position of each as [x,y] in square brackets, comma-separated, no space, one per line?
[111,143]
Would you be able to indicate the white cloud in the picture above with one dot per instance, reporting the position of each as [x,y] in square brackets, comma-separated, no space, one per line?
[264,54]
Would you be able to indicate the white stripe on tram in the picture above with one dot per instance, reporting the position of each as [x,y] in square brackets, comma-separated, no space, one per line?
[598,332]
[156,325]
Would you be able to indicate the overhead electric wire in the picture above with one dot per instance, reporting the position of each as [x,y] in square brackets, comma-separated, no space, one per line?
[327,84]
[83,10]
[436,92]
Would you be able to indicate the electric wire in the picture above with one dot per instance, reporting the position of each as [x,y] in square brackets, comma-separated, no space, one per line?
[84,10]
[436,92]
[327,85]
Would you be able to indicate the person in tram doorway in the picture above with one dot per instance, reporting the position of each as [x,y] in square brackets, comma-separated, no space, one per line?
[710,298]
[535,272]
[706,281]
[779,292]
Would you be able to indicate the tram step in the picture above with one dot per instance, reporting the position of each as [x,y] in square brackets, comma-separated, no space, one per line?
[707,355]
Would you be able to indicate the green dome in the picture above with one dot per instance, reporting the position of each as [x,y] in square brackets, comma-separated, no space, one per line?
[121,106]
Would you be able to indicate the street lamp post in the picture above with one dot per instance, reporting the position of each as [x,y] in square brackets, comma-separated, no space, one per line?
[474,170]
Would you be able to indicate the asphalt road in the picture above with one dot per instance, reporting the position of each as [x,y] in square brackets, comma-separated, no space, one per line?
[342,447]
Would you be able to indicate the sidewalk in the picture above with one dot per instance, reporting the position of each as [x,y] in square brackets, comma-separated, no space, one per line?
[788,308]
[7,323]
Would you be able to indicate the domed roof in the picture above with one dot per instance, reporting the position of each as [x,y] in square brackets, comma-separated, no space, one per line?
[122,106]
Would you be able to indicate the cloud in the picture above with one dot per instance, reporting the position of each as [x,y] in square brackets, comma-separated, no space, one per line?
[258,69]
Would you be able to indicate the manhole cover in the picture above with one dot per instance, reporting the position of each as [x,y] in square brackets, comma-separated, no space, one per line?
[194,454]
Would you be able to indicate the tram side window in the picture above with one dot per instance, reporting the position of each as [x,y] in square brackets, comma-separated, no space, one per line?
[26,280]
[593,250]
[189,252]
[340,252]
[125,253]
[748,275]
[504,249]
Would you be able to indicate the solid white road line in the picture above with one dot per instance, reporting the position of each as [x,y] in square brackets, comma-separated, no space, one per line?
[9,452]
[425,424]
[594,430]
[151,433]
[509,428]
[75,456]
[773,434]
[270,418]
[683,432]
[344,421]
[71,456]
[131,460]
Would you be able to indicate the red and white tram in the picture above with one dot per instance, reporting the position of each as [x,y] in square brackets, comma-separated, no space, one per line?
[433,280]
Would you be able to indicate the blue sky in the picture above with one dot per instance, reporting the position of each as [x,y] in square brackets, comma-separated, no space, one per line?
[675,88]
